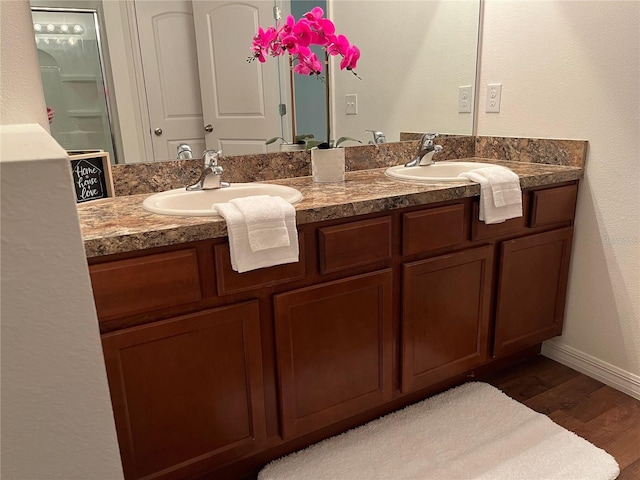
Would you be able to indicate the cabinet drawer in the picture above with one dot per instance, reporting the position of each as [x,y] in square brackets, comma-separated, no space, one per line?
[553,205]
[152,282]
[354,244]
[230,281]
[432,229]
[481,231]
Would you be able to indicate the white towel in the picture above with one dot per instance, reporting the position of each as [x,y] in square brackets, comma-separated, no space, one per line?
[500,193]
[243,259]
[264,215]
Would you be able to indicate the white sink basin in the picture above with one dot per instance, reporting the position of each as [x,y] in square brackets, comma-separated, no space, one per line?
[198,203]
[438,173]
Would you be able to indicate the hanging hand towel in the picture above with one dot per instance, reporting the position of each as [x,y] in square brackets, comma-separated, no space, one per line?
[243,258]
[264,215]
[500,193]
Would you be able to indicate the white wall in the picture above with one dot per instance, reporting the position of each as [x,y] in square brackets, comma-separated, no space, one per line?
[20,70]
[415,55]
[57,420]
[571,69]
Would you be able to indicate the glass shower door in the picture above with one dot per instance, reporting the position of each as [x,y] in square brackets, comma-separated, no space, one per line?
[72,72]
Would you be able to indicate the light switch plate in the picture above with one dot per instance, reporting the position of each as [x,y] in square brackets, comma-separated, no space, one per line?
[351,103]
[494,95]
[464,99]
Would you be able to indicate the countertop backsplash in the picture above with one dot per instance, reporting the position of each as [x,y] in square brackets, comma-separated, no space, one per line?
[137,178]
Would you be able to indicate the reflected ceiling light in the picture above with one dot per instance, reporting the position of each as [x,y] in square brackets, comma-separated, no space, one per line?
[63,29]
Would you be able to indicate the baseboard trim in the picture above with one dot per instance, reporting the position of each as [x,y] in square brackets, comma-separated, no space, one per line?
[606,373]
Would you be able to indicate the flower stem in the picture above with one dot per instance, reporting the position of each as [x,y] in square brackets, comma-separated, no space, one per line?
[327,96]
[293,101]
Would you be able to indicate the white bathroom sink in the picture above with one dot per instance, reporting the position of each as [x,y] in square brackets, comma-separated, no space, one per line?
[199,203]
[437,173]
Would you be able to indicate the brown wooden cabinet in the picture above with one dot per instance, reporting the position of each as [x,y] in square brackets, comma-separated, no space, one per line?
[187,393]
[334,346]
[211,370]
[445,316]
[531,289]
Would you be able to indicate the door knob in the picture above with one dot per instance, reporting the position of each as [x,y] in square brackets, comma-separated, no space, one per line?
[158,131]
[208,128]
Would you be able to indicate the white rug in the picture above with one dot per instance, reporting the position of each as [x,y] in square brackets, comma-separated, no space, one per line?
[470,432]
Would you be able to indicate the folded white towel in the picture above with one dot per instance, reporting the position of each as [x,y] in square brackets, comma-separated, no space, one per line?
[243,258]
[500,193]
[264,215]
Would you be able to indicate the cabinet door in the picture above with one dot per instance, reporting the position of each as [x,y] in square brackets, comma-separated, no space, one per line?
[334,347]
[187,393]
[532,289]
[445,316]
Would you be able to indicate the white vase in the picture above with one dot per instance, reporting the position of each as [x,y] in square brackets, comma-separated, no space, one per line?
[327,165]
[292,147]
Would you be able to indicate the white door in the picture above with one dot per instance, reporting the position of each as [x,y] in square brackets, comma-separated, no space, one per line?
[240,98]
[170,65]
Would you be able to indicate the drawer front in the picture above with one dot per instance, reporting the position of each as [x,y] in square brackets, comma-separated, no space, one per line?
[553,205]
[152,282]
[481,231]
[230,281]
[354,244]
[433,229]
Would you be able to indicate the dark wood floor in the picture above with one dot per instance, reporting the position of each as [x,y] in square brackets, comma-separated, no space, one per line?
[598,413]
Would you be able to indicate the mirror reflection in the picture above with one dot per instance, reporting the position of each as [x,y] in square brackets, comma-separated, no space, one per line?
[72,73]
[179,73]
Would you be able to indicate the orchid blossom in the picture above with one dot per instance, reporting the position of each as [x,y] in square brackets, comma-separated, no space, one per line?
[294,38]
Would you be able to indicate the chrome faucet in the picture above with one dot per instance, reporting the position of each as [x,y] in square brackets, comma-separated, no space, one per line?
[211,176]
[378,137]
[184,151]
[426,151]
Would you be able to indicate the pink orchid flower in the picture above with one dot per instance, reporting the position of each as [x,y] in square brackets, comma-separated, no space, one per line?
[340,46]
[261,42]
[350,60]
[323,32]
[302,32]
[290,44]
[316,13]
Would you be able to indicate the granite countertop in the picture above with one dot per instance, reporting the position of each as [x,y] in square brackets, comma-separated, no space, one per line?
[120,224]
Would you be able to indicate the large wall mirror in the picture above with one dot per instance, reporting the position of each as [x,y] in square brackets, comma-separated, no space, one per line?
[179,73]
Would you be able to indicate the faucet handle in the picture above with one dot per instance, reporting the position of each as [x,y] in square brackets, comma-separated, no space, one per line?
[184,151]
[427,139]
[211,157]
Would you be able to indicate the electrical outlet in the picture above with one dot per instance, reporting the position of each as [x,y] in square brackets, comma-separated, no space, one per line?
[494,93]
[351,103]
[464,99]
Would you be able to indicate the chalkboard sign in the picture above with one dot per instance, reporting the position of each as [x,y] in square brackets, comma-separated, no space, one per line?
[91,173]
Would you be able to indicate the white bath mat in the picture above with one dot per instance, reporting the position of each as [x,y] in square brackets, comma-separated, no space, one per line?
[470,432]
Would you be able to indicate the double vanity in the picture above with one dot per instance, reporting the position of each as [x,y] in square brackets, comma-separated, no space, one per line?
[400,291]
